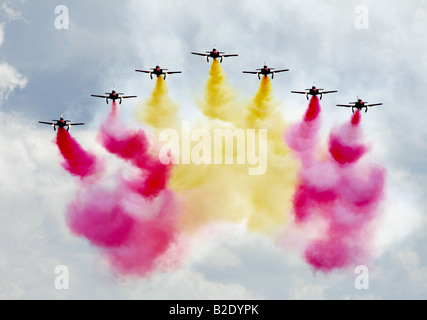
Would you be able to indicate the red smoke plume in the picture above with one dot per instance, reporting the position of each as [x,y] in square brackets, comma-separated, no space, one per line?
[341,191]
[134,221]
[134,147]
[77,161]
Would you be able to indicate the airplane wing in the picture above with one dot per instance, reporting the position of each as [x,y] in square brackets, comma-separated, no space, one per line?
[373,104]
[50,123]
[200,54]
[125,97]
[275,71]
[172,72]
[345,105]
[146,71]
[76,124]
[252,72]
[331,91]
[98,96]
[229,55]
[301,92]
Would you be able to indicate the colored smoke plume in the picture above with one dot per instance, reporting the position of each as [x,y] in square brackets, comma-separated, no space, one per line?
[133,238]
[219,100]
[159,111]
[133,221]
[134,147]
[226,193]
[138,217]
[77,161]
[339,189]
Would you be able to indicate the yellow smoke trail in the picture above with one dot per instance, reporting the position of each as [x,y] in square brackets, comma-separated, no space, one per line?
[159,111]
[219,102]
[271,193]
[263,112]
[210,193]
[226,193]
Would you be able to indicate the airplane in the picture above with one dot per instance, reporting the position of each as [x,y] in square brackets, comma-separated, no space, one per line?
[113,95]
[265,71]
[158,71]
[61,123]
[215,54]
[314,92]
[359,105]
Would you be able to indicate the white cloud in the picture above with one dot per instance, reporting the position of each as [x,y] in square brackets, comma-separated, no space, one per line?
[10,79]
[288,34]
[2,26]
[11,14]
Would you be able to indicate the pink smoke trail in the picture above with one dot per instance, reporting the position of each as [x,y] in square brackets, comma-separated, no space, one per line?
[343,145]
[135,221]
[134,147]
[302,137]
[343,192]
[133,238]
[76,160]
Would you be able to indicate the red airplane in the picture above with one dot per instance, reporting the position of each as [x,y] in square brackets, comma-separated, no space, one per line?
[265,71]
[113,95]
[359,105]
[215,54]
[158,72]
[61,123]
[314,92]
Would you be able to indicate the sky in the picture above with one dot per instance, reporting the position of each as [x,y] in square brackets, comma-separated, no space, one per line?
[46,71]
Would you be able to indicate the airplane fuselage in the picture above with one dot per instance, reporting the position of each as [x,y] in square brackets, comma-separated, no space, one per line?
[113,96]
[214,54]
[360,105]
[158,72]
[314,92]
[265,71]
[61,124]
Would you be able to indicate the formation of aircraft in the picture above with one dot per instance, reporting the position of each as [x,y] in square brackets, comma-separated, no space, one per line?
[215,54]
[113,95]
[158,72]
[61,123]
[265,71]
[314,92]
[359,104]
